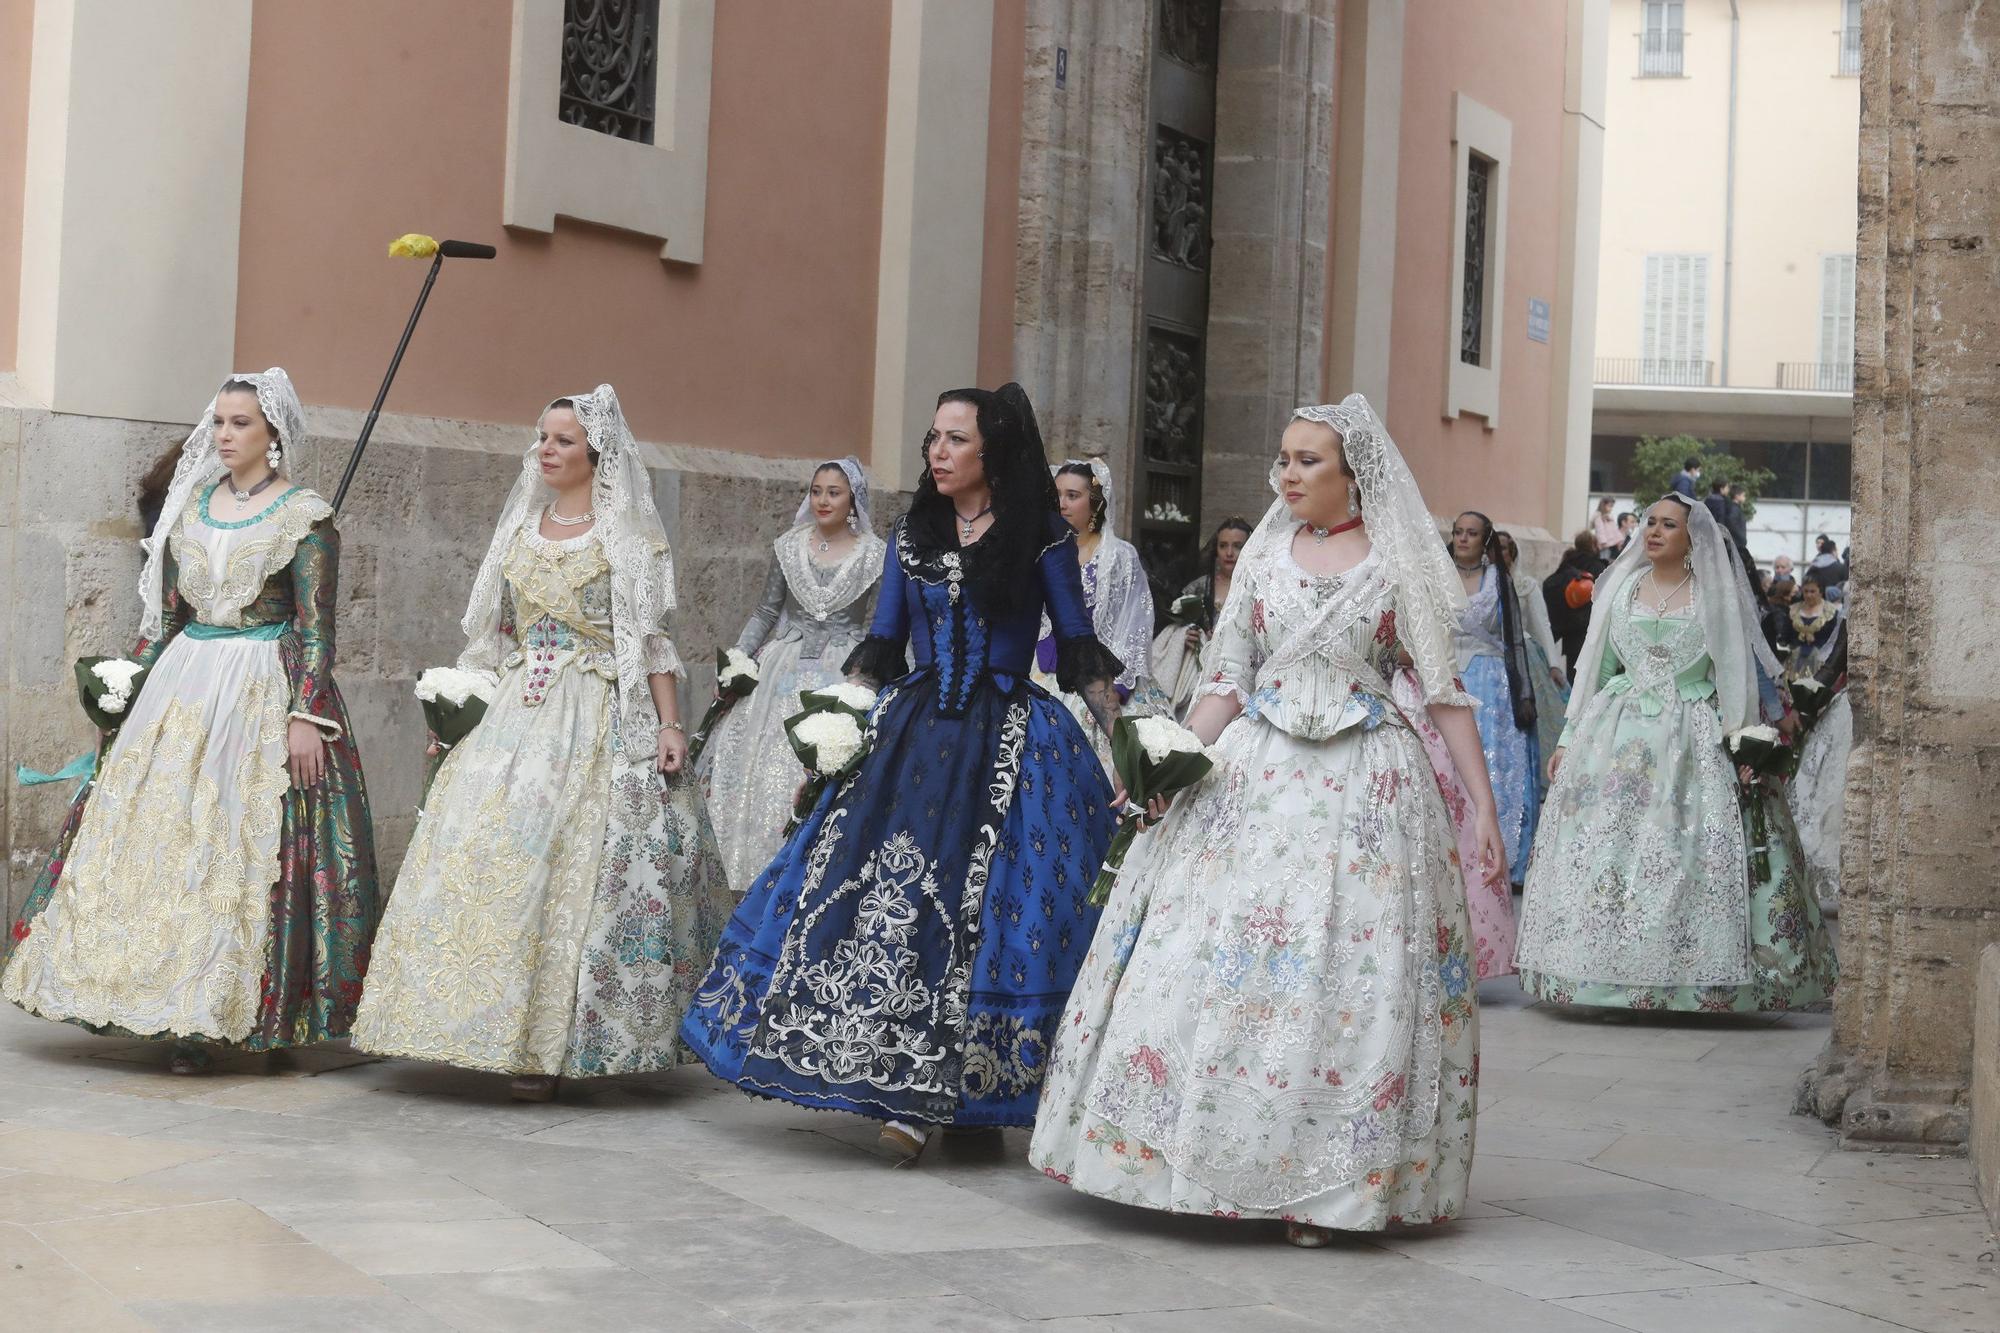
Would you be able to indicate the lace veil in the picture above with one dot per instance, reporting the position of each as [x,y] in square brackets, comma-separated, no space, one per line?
[857,481]
[635,544]
[1729,620]
[200,465]
[1100,472]
[1428,595]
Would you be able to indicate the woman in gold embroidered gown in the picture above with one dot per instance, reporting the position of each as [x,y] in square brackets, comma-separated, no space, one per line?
[560,898]
[216,881]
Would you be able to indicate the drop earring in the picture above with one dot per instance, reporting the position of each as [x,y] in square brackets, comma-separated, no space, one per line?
[853,523]
[1353,500]
[274,456]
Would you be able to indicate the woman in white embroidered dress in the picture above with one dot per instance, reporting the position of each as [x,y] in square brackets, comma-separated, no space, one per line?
[560,898]
[216,881]
[1115,590]
[1648,890]
[818,600]
[1277,1018]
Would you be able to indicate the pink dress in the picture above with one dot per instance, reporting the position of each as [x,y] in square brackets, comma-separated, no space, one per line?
[1490,905]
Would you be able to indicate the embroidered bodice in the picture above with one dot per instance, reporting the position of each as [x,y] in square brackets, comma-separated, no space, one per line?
[825,607]
[927,600]
[1478,631]
[556,607]
[1313,654]
[221,567]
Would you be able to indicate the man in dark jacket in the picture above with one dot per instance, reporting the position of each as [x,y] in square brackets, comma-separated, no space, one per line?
[1687,477]
[1566,593]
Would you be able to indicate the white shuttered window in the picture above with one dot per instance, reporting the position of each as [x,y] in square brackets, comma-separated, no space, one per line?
[1836,319]
[1673,336]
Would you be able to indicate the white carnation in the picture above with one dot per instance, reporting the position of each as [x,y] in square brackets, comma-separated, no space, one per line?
[835,738]
[1162,736]
[846,693]
[454,686]
[117,674]
[112,703]
[737,666]
[1767,735]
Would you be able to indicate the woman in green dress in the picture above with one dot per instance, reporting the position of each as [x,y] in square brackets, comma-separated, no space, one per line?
[1650,887]
[215,883]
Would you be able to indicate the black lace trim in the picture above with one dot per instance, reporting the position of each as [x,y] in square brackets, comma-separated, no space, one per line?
[876,660]
[1084,661]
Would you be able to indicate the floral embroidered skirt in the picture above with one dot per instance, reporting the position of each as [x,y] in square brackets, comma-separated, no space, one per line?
[909,951]
[193,893]
[556,904]
[1489,903]
[1642,895]
[1277,1018]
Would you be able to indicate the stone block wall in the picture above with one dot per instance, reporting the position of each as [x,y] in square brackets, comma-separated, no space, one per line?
[413,531]
[1986,1082]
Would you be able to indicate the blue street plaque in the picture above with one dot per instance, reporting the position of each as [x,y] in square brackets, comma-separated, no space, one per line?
[1538,319]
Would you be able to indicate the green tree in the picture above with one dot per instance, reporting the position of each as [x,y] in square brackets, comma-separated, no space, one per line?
[1656,460]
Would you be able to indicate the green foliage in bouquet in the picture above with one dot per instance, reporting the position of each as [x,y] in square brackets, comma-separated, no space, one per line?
[1154,756]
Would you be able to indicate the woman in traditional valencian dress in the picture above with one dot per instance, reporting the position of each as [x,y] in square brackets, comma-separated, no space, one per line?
[1492,639]
[216,884]
[1644,893]
[908,953]
[817,601]
[1114,590]
[1177,649]
[1819,788]
[1277,1017]
[560,896]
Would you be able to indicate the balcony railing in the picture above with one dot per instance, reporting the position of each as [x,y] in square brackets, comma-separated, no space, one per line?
[1651,370]
[1819,376]
[1850,50]
[1660,53]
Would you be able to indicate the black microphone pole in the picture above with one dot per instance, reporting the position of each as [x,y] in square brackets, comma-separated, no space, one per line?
[444,250]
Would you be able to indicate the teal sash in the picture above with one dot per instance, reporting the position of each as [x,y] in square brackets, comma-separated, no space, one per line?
[81,768]
[262,633]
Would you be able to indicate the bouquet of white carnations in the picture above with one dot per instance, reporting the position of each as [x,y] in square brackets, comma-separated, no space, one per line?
[1187,609]
[736,678]
[830,737]
[454,701]
[106,687]
[1764,753]
[1154,756]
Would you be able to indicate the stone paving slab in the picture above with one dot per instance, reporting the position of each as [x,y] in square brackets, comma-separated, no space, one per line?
[1635,1172]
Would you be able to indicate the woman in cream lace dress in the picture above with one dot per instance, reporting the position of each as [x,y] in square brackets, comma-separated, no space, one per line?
[560,897]
[216,882]
[1276,1018]
[817,602]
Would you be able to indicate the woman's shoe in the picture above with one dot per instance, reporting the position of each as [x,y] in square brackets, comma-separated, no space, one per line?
[189,1057]
[534,1088]
[904,1142]
[1307,1236]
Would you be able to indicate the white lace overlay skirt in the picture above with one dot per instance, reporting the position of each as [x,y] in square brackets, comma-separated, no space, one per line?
[1819,795]
[749,770]
[1276,1018]
[476,960]
[162,916]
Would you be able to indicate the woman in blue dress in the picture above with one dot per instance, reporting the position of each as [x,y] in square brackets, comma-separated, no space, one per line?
[908,953]
[1492,641]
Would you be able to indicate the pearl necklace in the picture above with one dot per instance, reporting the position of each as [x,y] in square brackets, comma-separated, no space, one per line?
[1660,608]
[576,522]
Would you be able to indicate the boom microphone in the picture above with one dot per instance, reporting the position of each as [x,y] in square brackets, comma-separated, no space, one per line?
[465,250]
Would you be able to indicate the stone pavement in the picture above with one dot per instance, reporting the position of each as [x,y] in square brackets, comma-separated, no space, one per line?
[1635,1173]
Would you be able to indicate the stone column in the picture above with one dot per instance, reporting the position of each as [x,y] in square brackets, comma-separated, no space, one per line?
[1267,296]
[1921,858]
[1076,285]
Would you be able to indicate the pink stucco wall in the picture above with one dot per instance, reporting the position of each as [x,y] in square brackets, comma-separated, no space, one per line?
[371,118]
[1507,55]
[1003,193]
[17,25]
